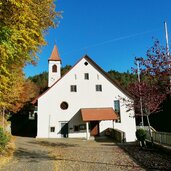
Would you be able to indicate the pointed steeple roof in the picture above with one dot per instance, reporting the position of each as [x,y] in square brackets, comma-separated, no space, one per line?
[54,55]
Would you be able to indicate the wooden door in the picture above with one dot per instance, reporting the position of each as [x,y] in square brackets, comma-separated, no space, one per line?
[94,128]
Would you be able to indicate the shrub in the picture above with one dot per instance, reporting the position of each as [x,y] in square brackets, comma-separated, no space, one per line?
[4,138]
[141,134]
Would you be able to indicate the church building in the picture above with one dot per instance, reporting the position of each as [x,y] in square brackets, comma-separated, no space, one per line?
[83,103]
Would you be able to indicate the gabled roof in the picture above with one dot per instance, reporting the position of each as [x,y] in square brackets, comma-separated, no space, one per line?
[54,55]
[106,75]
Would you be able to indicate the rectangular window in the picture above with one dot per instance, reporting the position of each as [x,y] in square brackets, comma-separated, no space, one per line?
[52,129]
[117,109]
[86,76]
[73,88]
[99,87]
[76,128]
[82,127]
[31,115]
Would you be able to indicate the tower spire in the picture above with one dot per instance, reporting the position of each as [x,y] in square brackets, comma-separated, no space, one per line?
[55,54]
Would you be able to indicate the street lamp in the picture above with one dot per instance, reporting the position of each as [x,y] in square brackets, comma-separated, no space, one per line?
[139,80]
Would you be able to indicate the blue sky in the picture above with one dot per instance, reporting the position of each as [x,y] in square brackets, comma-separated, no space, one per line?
[111,32]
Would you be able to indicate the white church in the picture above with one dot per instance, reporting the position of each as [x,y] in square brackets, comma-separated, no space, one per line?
[83,103]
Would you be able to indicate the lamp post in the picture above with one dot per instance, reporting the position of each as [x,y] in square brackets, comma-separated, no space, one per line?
[139,80]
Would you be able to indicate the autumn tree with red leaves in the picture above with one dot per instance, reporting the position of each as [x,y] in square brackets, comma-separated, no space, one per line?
[154,86]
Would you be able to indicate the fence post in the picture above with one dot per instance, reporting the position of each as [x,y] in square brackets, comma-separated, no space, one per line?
[160,138]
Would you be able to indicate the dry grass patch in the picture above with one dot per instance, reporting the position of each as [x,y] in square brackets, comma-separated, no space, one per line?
[7,154]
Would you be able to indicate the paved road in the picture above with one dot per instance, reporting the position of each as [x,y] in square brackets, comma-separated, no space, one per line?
[69,155]
[30,156]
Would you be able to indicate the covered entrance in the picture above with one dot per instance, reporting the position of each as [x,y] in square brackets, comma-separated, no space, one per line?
[92,117]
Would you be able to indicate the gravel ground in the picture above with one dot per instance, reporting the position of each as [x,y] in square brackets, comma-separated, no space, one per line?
[81,155]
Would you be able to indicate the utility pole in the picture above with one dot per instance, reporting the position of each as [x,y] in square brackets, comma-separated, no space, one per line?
[139,80]
[167,39]
[167,49]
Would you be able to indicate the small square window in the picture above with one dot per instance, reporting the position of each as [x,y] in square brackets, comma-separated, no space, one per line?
[86,76]
[52,129]
[31,116]
[99,87]
[82,127]
[73,88]
[76,128]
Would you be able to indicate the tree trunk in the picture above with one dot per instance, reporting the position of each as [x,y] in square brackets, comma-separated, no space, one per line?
[3,118]
[149,127]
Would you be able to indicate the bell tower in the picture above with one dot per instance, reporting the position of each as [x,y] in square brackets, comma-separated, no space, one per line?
[54,63]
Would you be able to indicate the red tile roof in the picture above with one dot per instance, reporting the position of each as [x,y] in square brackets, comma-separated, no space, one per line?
[54,55]
[98,114]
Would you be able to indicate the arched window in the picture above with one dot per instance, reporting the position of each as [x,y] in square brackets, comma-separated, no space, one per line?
[54,68]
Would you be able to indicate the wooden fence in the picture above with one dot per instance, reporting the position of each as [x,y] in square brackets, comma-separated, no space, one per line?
[163,138]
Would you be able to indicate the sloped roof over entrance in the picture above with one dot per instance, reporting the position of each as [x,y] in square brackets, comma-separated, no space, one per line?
[98,114]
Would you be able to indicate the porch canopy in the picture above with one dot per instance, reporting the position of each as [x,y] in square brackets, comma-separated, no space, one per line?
[98,114]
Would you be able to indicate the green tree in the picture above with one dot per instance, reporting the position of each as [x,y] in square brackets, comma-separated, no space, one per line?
[41,80]
[65,69]
[123,78]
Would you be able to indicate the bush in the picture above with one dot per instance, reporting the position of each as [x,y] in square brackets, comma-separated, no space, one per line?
[4,138]
[141,134]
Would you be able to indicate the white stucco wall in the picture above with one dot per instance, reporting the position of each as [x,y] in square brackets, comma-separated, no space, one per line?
[50,113]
